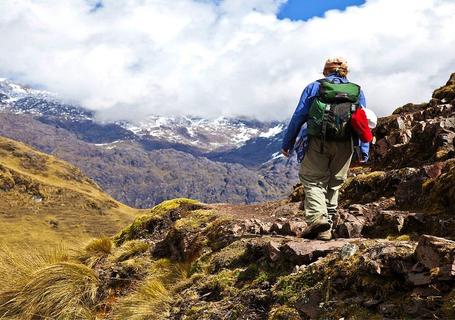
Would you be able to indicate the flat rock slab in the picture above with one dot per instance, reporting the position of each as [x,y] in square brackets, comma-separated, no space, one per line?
[307,251]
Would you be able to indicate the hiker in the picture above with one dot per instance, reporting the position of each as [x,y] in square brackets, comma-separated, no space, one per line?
[330,117]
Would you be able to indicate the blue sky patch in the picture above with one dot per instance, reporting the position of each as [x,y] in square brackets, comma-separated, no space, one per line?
[97,6]
[307,9]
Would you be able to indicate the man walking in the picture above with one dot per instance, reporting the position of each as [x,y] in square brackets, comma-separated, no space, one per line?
[326,106]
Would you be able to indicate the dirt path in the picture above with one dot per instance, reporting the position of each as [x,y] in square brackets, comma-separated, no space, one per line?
[267,212]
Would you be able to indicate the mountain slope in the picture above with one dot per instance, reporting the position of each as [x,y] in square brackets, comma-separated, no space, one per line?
[142,172]
[44,200]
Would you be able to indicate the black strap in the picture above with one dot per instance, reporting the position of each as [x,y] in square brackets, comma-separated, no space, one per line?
[321,87]
[324,127]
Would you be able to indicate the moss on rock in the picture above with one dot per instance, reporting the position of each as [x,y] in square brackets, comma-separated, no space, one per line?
[447,92]
[283,313]
[147,224]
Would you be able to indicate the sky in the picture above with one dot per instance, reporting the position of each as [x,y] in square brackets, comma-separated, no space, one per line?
[127,59]
[307,9]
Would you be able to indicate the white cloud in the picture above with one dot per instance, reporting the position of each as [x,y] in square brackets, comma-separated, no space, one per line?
[137,57]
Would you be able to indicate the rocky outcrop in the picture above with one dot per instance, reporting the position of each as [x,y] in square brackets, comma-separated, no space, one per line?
[416,135]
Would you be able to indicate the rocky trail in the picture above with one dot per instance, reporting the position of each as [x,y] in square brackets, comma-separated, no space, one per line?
[249,262]
[392,256]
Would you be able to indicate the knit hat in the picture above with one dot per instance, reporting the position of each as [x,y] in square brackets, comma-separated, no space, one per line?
[337,64]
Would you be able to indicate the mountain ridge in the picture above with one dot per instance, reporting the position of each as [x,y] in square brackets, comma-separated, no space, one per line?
[117,156]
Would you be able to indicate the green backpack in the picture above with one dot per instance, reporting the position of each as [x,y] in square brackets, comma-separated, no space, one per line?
[331,111]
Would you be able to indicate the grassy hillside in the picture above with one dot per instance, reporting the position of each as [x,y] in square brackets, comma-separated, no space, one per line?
[44,200]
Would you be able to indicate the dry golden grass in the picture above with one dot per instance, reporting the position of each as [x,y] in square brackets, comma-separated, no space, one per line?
[96,250]
[47,200]
[153,297]
[151,300]
[130,249]
[101,246]
[45,285]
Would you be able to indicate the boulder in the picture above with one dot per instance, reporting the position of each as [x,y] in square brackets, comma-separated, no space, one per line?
[438,255]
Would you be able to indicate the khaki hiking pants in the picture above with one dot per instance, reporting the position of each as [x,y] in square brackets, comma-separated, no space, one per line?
[322,175]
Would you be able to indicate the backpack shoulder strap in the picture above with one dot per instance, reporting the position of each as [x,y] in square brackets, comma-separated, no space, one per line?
[321,86]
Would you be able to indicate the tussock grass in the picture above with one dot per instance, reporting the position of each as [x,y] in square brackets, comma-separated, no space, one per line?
[96,250]
[151,300]
[45,285]
[102,246]
[130,249]
[153,297]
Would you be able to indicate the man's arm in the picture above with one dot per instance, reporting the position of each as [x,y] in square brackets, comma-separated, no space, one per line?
[362,100]
[364,151]
[299,117]
[364,146]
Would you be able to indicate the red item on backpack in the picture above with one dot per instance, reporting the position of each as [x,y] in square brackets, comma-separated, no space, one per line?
[359,123]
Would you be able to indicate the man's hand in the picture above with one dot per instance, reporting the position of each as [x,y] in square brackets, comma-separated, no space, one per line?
[285,153]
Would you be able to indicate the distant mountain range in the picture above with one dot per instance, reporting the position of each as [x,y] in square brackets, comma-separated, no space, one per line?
[142,163]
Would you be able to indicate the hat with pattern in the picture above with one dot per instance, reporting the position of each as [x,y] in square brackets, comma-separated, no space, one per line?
[336,64]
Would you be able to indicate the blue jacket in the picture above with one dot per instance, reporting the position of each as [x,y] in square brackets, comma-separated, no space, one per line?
[300,116]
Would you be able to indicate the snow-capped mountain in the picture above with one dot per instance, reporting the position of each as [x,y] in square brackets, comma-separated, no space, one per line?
[210,135]
[15,91]
[21,99]
[206,135]
[216,160]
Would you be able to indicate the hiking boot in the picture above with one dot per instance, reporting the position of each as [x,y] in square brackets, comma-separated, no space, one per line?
[319,225]
[325,235]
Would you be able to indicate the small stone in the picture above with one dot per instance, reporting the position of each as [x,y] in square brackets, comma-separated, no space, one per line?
[348,250]
[273,251]
[418,279]
[371,303]
[37,199]
[305,252]
[293,228]
[276,227]
[265,227]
